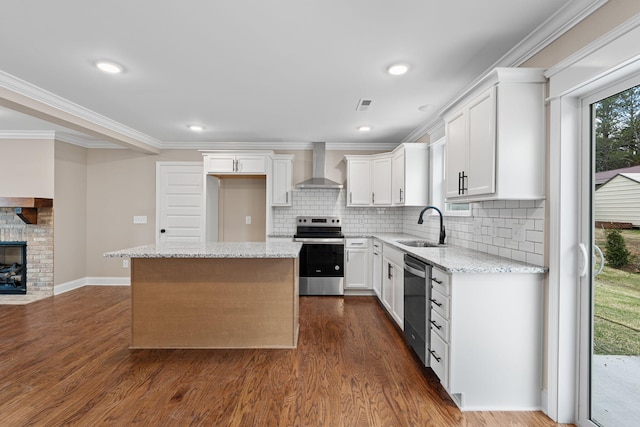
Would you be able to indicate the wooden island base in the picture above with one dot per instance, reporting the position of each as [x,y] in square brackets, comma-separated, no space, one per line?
[214,302]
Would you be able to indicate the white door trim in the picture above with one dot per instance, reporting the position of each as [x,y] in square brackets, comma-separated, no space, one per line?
[595,69]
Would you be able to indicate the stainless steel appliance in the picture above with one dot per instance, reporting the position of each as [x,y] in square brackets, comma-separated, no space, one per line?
[322,255]
[417,291]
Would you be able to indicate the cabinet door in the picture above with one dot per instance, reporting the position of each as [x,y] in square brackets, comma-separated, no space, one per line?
[398,178]
[356,269]
[455,154]
[381,181]
[398,295]
[387,285]
[251,164]
[481,148]
[281,183]
[220,163]
[377,274]
[358,183]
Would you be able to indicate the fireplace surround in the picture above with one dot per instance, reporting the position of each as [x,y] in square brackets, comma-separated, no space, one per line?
[39,252]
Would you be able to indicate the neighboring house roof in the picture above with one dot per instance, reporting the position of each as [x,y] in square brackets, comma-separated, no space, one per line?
[632,176]
[602,177]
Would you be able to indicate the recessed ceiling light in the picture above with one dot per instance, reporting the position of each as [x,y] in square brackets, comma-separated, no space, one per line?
[364,128]
[110,67]
[397,69]
[196,128]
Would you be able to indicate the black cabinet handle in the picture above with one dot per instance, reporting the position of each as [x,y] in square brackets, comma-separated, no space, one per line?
[439,282]
[435,356]
[433,322]
[435,301]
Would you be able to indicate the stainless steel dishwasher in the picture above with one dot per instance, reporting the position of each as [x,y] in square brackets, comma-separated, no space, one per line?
[417,290]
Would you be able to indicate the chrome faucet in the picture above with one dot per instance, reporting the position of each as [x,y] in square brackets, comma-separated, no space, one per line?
[443,233]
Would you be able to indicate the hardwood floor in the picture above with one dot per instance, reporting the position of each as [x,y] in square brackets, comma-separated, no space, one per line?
[65,361]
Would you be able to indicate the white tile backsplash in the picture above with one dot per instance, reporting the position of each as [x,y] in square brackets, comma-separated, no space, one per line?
[513,229]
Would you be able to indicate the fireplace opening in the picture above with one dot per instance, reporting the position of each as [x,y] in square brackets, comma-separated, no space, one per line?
[13,267]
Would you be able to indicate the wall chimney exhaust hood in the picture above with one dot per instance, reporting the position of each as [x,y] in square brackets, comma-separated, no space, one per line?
[319,180]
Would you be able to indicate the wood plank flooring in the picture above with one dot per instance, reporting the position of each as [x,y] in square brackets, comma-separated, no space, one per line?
[65,361]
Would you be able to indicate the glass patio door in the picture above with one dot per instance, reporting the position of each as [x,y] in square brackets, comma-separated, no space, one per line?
[609,371]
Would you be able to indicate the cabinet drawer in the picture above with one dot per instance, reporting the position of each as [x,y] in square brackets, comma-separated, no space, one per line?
[440,303]
[440,281]
[357,243]
[439,325]
[439,358]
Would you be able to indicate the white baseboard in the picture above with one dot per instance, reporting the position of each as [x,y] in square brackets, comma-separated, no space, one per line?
[91,281]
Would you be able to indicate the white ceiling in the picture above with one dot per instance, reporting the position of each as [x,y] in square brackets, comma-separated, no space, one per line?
[261,71]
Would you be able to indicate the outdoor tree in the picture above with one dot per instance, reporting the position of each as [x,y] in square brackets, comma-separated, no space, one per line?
[616,250]
[617,130]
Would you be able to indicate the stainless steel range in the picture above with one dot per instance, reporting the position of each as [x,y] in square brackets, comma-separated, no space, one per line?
[322,255]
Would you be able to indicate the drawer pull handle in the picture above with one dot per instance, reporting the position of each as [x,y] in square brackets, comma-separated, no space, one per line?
[435,356]
[435,301]
[439,282]
[433,322]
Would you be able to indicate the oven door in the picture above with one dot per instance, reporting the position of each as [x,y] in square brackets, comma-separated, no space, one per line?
[322,268]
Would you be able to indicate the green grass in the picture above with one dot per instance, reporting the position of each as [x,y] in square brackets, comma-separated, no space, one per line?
[617,303]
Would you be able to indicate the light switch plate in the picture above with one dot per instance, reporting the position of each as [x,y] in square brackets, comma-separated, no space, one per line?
[247,219]
[140,219]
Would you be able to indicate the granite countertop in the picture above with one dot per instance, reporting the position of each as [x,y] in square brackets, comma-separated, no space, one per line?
[211,250]
[455,259]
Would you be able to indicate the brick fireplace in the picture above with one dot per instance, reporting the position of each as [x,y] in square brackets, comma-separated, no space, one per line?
[39,239]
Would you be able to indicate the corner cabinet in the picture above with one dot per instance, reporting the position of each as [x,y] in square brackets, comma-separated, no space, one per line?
[495,138]
[281,183]
[486,338]
[398,178]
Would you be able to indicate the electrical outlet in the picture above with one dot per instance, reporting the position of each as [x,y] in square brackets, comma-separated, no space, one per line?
[140,219]
[125,263]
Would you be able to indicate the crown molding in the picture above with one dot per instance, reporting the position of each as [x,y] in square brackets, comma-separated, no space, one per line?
[28,90]
[432,127]
[27,134]
[347,146]
[549,31]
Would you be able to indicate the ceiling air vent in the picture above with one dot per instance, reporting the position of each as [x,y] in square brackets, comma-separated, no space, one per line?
[363,104]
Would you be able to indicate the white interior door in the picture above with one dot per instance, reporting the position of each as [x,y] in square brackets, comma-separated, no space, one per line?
[179,202]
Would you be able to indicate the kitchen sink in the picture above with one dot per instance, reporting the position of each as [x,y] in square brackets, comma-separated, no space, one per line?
[419,243]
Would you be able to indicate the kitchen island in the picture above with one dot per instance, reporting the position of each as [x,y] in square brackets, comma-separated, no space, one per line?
[214,295]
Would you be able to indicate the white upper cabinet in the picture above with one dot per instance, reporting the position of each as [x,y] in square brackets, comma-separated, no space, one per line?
[381,180]
[358,181]
[410,175]
[398,178]
[235,163]
[282,180]
[495,138]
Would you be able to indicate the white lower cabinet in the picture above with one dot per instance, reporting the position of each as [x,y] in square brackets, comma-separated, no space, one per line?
[357,265]
[393,283]
[486,339]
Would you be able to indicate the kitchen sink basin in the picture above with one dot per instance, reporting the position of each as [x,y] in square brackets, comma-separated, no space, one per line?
[419,243]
